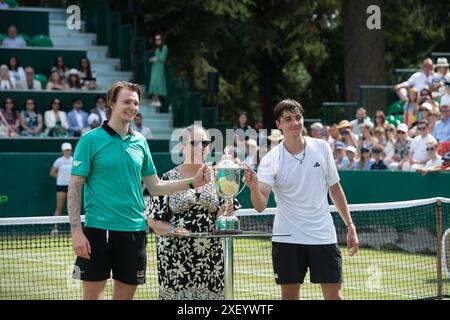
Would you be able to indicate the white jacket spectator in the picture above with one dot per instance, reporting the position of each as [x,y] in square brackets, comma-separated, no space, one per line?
[50,120]
[6,82]
[13,41]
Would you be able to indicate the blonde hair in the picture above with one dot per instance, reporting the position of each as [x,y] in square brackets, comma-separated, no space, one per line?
[186,132]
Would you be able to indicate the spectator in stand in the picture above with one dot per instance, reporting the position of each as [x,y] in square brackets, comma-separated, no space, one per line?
[100,108]
[3,5]
[426,96]
[390,137]
[352,162]
[435,158]
[379,119]
[418,80]
[77,118]
[361,119]
[93,121]
[367,139]
[73,80]
[445,100]
[340,157]
[409,114]
[326,135]
[335,135]
[275,137]
[424,109]
[348,137]
[316,130]
[380,135]
[139,126]
[442,128]
[378,154]
[366,160]
[11,115]
[433,118]
[6,82]
[31,120]
[418,155]
[13,41]
[401,148]
[16,72]
[55,120]
[157,86]
[55,82]
[87,76]
[442,75]
[445,166]
[242,122]
[61,171]
[252,157]
[261,137]
[29,83]
[5,130]
[60,67]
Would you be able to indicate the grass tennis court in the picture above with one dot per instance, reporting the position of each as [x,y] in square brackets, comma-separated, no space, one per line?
[40,267]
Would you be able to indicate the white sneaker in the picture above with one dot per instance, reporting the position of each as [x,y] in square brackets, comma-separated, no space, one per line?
[158,104]
[54,232]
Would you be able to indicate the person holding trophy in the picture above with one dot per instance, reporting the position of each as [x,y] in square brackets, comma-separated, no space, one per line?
[189,267]
[301,172]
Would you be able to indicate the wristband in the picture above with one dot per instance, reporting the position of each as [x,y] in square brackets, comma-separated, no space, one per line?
[189,181]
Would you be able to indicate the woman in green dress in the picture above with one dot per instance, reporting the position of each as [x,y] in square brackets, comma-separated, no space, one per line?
[158,79]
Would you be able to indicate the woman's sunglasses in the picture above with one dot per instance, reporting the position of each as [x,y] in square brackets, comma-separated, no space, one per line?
[204,143]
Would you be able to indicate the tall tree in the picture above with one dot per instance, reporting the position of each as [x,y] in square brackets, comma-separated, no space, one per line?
[364,55]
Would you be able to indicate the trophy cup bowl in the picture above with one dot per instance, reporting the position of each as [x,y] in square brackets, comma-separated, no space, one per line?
[227,179]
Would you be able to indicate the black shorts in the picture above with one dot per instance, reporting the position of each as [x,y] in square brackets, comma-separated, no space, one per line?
[62,188]
[123,253]
[291,262]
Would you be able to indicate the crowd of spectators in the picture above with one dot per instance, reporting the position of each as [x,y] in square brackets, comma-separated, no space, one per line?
[13,76]
[420,142]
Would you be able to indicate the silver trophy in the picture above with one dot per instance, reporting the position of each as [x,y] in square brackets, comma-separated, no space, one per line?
[227,179]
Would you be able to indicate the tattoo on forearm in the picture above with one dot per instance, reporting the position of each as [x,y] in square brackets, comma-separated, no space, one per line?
[74,201]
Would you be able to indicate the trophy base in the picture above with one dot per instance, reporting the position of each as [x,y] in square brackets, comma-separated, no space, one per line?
[225,232]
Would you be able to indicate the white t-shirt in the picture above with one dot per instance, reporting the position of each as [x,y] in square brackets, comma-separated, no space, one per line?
[64,166]
[419,81]
[301,191]
[432,163]
[445,100]
[419,147]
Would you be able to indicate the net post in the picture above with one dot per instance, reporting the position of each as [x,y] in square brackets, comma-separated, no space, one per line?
[228,268]
[439,248]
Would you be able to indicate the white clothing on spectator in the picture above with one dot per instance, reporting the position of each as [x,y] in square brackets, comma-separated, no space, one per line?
[419,81]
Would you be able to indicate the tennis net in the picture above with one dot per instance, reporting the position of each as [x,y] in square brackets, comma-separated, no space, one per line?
[404,254]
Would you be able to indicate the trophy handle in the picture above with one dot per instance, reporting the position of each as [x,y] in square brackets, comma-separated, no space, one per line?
[241,166]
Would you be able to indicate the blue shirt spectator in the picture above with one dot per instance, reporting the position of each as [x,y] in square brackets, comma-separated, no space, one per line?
[441,130]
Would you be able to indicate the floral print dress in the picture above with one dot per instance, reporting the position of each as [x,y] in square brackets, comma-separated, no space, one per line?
[189,268]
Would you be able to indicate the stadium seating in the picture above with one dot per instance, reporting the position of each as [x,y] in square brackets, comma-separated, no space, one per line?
[42,60]
[42,41]
[12,3]
[42,79]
